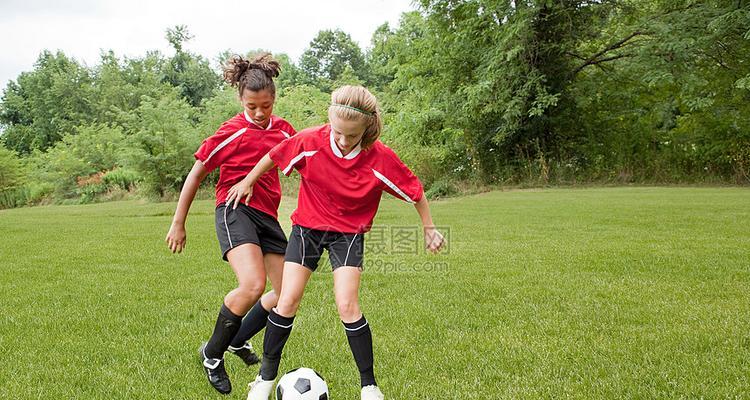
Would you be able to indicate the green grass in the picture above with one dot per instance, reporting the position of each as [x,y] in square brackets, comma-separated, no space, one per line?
[591,293]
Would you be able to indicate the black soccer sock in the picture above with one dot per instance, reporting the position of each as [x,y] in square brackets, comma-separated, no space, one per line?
[360,341]
[254,322]
[226,328]
[278,329]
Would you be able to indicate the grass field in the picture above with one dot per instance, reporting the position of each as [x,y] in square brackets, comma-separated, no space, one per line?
[585,293]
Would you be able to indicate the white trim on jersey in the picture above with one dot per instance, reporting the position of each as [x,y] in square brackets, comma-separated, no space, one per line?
[393,186]
[296,159]
[224,143]
[250,120]
[337,151]
[285,134]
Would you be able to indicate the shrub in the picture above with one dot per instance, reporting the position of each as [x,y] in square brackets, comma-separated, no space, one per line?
[12,171]
[121,178]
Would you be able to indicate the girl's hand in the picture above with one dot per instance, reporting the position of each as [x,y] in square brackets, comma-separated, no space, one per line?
[240,190]
[176,237]
[433,240]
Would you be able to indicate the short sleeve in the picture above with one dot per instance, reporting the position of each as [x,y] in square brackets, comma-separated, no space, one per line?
[399,180]
[290,154]
[217,148]
[287,130]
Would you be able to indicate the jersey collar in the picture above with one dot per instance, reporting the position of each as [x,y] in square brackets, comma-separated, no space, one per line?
[250,120]
[337,151]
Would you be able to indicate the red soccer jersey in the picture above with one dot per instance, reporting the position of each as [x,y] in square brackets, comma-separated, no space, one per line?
[236,147]
[342,193]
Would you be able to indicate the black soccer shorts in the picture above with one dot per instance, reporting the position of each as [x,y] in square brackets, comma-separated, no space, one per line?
[306,247]
[248,225]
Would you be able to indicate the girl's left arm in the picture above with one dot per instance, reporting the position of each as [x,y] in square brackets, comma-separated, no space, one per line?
[433,239]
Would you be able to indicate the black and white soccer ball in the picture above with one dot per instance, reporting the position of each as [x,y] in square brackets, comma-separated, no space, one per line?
[302,384]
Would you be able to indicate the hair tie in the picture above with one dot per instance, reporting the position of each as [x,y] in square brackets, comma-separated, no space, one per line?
[370,113]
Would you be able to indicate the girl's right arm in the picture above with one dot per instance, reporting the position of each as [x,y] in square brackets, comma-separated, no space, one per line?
[177,237]
[244,188]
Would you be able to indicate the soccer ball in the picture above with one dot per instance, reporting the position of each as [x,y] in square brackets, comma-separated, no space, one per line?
[302,384]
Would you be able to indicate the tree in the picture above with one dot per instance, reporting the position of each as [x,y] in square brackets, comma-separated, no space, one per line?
[303,106]
[506,77]
[162,142]
[291,75]
[379,58]
[190,73]
[328,56]
[43,105]
[120,86]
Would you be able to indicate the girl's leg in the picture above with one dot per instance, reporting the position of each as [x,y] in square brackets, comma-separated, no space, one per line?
[247,262]
[346,282]
[257,317]
[281,318]
[274,269]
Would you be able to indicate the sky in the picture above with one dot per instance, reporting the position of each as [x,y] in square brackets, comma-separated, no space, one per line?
[83,28]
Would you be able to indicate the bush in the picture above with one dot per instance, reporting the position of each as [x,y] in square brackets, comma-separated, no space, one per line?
[442,188]
[26,195]
[13,197]
[99,146]
[60,168]
[93,148]
[121,178]
[303,106]
[89,193]
[224,105]
[161,147]
[12,171]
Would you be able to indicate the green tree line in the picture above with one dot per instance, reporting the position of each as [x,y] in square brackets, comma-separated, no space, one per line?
[484,92]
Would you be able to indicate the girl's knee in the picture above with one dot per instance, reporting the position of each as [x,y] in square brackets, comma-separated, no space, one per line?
[287,306]
[252,290]
[269,300]
[348,309]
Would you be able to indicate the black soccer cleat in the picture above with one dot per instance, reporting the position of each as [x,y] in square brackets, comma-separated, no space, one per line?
[246,353]
[217,375]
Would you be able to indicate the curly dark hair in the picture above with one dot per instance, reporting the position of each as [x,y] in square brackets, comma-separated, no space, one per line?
[252,75]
